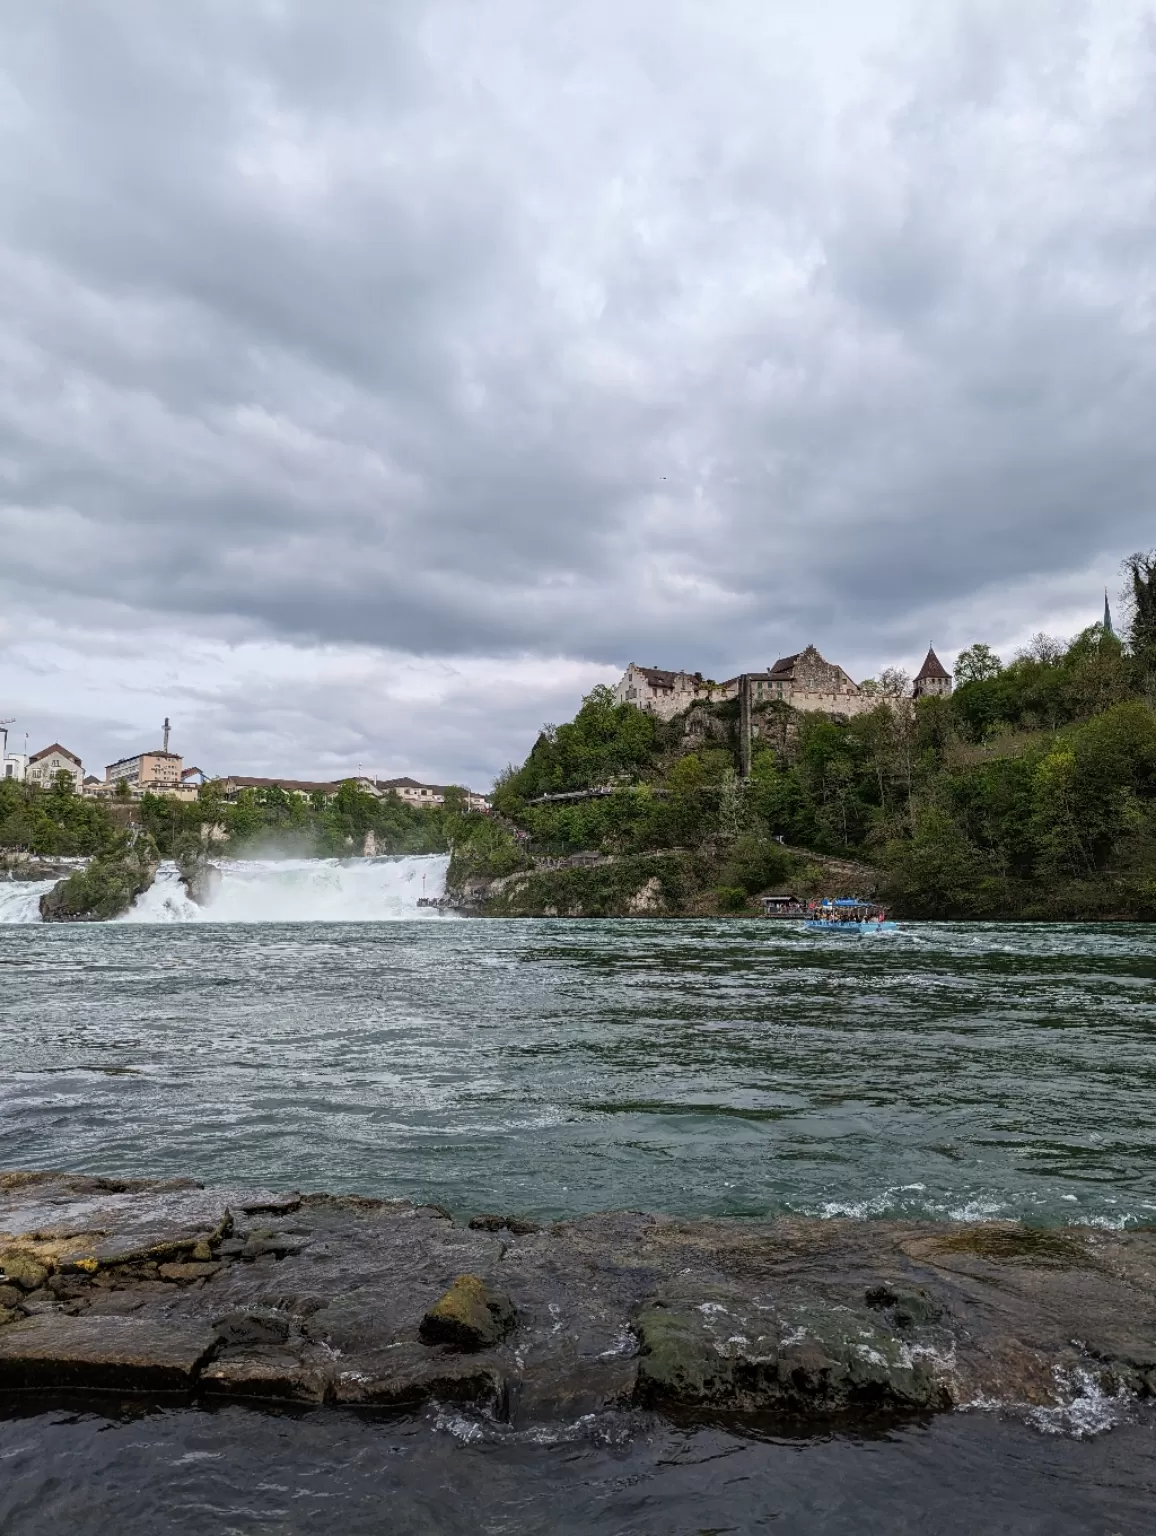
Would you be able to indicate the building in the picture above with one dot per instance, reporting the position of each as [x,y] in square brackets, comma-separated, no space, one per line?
[43,766]
[805,680]
[659,692]
[16,766]
[154,773]
[193,778]
[427,796]
[157,772]
[933,680]
[232,786]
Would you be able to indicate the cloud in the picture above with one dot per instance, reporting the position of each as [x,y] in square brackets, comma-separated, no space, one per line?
[524,340]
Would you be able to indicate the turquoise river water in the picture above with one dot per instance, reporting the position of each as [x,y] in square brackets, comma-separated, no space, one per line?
[551,1067]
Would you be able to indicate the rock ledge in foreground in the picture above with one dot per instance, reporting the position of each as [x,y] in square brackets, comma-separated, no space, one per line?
[164,1286]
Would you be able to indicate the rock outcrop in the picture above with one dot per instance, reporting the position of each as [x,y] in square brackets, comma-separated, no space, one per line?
[200,878]
[107,885]
[166,1287]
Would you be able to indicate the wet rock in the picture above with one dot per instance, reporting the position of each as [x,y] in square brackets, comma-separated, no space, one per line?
[413,1374]
[908,1306]
[813,1359]
[383,1303]
[268,1372]
[102,1353]
[23,1271]
[469,1316]
[185,1274]
[255,1327]
[39,1301]
[10,1295]
[518,1225]
[276,1244]
[200,878]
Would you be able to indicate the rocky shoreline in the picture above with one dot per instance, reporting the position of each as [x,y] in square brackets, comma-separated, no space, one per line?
[165,1287]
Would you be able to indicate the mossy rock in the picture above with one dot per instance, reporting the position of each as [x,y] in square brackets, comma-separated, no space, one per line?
[106,887]
[820,1359]
[1018,1244]
[469,1316]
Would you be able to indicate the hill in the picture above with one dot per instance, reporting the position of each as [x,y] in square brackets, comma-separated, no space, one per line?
[1029,793]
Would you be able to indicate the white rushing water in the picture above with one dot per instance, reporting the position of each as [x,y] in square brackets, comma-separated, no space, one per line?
[274,891]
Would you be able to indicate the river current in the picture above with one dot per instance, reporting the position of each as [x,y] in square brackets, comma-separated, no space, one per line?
[553,1067]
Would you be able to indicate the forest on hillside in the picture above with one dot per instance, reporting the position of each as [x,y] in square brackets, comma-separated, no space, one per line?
[1030,792]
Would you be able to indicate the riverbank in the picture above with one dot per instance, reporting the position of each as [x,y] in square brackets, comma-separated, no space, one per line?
[145,1286]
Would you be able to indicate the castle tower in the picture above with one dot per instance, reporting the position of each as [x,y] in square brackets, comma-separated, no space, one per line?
[933,680]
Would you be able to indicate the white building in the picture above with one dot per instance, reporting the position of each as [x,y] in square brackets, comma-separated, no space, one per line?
[426,796]
[16,766]
[660,692]
[43,766]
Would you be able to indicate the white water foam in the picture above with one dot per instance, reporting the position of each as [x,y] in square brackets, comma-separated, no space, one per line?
[20,900]
[275,891]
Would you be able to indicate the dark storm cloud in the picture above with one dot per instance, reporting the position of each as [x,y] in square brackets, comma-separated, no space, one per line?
[678,334]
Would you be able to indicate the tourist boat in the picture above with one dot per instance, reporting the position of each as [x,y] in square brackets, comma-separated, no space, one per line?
[847,915]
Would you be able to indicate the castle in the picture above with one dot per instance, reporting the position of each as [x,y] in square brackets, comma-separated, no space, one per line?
[805,680]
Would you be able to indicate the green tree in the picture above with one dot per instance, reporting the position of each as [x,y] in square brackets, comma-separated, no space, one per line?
[976,664]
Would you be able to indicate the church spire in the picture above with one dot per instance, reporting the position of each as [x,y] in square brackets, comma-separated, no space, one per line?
[1108,630]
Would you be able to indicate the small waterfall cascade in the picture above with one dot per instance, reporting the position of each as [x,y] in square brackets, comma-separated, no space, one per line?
[369,890]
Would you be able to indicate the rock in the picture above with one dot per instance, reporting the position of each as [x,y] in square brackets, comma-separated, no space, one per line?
[103,1353]
[413,1374]
[797,1318]
[272,1373]
[185,1274]
[812,1359]
[518,1225]
[40,1301]
[469,1316]
[200,879]
[276,1244]
[23,1272]
[909,1306]
[107,886]
[9,1315]
[263,1326]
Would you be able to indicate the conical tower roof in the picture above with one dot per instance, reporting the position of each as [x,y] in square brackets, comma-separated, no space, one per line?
[931,668]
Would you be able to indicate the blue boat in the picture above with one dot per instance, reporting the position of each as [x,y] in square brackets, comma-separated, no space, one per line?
[848,916]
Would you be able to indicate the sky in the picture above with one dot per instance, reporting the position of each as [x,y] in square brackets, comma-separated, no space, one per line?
[375,379]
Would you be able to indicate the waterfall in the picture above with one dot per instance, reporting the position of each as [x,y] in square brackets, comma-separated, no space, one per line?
[274,891]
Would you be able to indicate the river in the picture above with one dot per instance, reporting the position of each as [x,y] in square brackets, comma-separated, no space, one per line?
[550,1068]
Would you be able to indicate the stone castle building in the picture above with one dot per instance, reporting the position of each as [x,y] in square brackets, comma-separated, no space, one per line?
[661,693]
[933,680]
[806,680]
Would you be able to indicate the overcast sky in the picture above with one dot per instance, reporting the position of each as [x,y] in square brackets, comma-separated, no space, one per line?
[377,377]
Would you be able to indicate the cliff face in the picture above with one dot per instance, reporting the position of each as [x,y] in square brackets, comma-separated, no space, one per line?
[676,883]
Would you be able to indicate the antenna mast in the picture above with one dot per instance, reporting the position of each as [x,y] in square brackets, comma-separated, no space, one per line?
[166,733]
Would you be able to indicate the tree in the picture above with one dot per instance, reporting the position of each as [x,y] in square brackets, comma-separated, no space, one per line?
[894,683]
[1042,648]
[1140,570]
[976,664]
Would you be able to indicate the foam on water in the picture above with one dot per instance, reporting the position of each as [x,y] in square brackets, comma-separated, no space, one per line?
[20,900]
[274,891]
